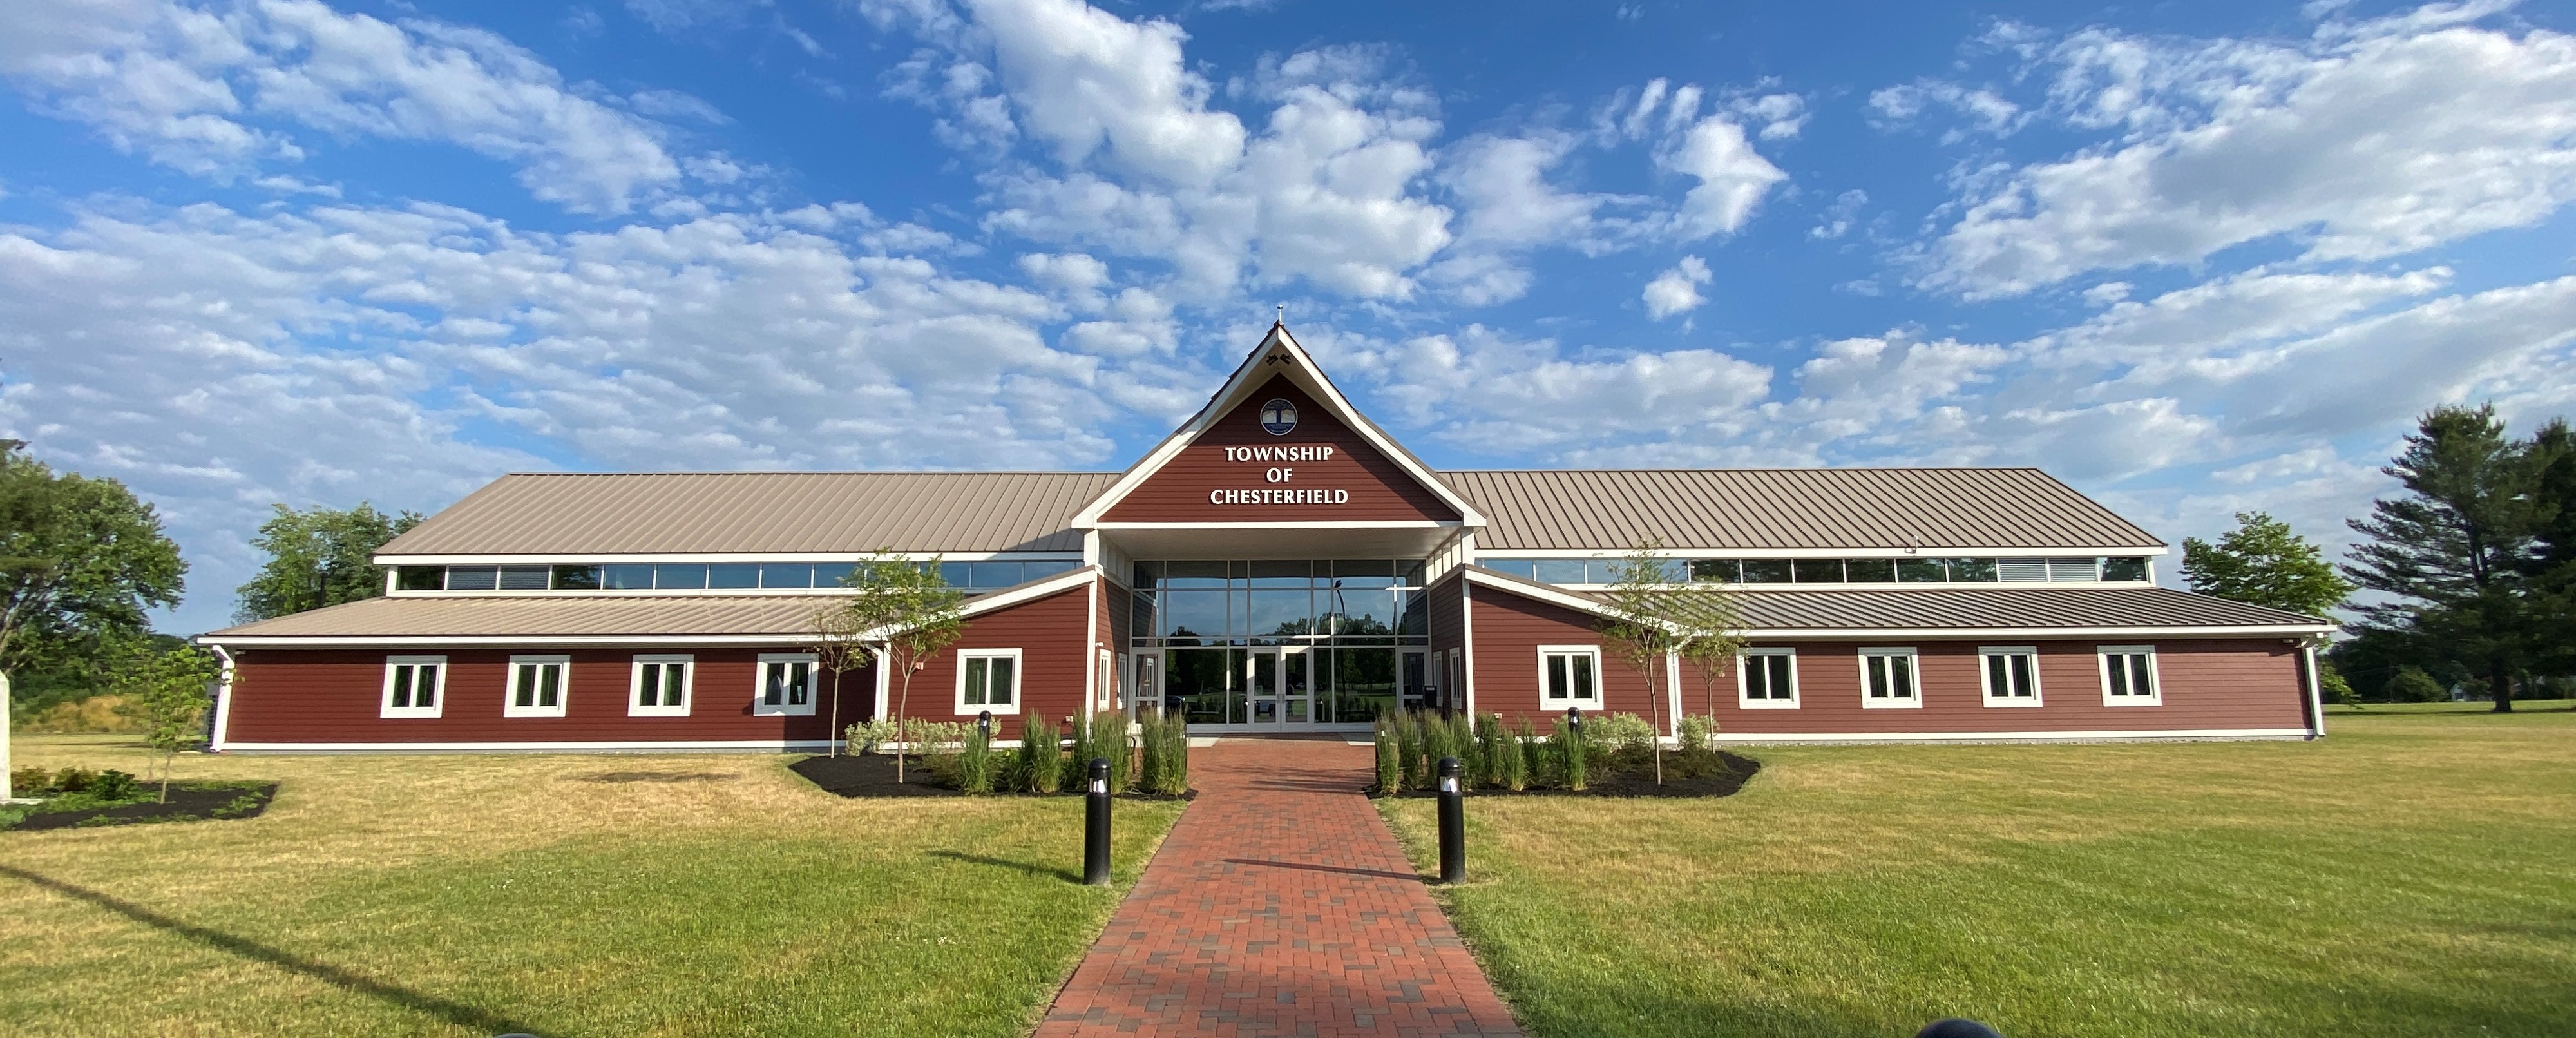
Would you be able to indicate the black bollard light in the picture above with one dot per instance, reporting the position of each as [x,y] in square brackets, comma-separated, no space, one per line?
[1453,823]
[984,726]
[1095,818]
[1574,718]
[1954,1027]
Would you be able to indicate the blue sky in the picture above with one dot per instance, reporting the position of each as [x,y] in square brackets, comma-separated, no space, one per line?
[2191,257]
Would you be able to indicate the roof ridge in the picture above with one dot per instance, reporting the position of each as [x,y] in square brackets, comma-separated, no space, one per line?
[832,472]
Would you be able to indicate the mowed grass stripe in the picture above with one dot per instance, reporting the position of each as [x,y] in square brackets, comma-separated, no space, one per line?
[2407,875]
[449,895]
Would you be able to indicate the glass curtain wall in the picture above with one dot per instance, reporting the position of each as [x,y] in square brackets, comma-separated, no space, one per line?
[1352,615]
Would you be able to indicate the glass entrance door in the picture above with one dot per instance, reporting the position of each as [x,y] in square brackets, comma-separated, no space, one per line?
[1416,689]
[1279,687]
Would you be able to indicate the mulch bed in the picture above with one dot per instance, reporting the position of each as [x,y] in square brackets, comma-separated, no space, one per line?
[871,775]
[1634,783]
[188,803]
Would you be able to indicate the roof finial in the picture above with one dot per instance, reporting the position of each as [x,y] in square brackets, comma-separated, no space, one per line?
[1282,322]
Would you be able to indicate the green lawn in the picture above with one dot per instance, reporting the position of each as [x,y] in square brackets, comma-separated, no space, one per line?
[2412,874]
[561,895]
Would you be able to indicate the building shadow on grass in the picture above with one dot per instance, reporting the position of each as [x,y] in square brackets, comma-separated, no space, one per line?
[456,1013]
[1044,871]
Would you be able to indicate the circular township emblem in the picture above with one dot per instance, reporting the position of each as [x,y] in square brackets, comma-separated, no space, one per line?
[1278,417]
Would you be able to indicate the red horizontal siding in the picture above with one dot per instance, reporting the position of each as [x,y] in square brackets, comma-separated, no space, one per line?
[1508,631]
[325,696]
[1049,633]
[2207,684]
[1380,489]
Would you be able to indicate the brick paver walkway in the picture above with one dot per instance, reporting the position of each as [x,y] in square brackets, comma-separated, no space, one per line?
[1279,905]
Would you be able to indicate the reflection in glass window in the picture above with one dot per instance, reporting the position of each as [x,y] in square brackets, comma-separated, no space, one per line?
[1194,613]
[473,578]
[1766,571]
[1560,571]
[995,574]
[1921,571]
[2124,568]
[691,576]
[421,578]
[786,575]
[1046,568]
[2074,569]
[1819,571]
[1723,570]
[834,574]
[2022,569]
[626,578]
[1526,569]
[1972,571]
[576,578]
[526,578]
[733,575]
[1870,571]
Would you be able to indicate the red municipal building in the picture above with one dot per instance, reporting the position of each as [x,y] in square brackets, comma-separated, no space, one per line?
[1278,564]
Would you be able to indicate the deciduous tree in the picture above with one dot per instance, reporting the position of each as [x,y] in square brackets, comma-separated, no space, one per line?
[2263,562]
[166,691]
[906,608]
[1654,612]
[82,561]
[318,557]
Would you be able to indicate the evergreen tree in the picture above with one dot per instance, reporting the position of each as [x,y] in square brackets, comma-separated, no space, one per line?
[2262,562]
[318,557]
[2455,549]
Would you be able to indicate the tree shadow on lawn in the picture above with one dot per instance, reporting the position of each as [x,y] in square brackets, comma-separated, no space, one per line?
[1042,871]
[456,1013]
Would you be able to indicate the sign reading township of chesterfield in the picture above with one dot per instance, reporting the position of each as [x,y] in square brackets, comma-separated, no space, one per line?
[1280,456]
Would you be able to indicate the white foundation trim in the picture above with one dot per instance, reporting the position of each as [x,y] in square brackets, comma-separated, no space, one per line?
[1742,738]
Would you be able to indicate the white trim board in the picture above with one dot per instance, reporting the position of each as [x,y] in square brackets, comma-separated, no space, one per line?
[730,746]
[2155,735]
[1247,376]
[646,558]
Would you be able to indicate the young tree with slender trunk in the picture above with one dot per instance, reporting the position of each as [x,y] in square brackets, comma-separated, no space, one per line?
[1655,611]
[838,646]
[166,691]
[908,609]
[2454,549]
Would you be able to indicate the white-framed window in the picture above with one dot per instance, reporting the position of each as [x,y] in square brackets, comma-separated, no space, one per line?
[537,686]
[988,679]
[1889,679]
[1767,679]
[2010,674]
[1569,676]
[785,684]
[661,686]
[415,686]
[2129,676]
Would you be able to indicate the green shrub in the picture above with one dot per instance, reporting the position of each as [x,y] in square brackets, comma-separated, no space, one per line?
[74,780]
[936,745]
[114,785]
[1697,732]
[29,782]
[869,736]
[975,763]
[2413,685]
[1390,760]
[1608,734]
[1041,756]
[1570,748]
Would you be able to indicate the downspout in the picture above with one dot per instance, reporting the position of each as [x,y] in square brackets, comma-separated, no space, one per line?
[885,679]
[1467,641]
[2316,707]
[223,700]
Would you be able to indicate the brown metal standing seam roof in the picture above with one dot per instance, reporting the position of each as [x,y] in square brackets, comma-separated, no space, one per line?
[1965,608]
[1951,508]
[756,512]
[1547,510]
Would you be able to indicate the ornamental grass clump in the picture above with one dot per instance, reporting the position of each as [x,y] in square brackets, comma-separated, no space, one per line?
[1164,745]
[1435,745]
[1512,768]
[974,771]
[1463,745]
[1041,756]
[1408,744]
[1104,738]
[1390,758]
